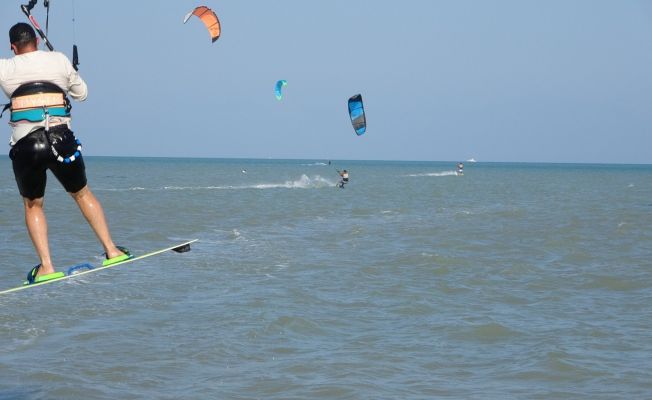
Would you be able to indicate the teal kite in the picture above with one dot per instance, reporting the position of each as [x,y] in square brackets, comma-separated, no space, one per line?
[278,89]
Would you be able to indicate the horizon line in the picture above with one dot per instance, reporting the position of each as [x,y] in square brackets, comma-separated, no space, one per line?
[376,160]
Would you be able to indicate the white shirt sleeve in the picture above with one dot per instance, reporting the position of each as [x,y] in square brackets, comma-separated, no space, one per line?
[77,88]
[3,66]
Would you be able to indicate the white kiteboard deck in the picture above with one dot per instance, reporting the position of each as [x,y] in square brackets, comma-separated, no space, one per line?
[77,271]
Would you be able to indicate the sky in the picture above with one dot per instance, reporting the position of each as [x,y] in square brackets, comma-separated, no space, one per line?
[441,80]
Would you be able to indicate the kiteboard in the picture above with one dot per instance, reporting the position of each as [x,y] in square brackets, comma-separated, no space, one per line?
[87,268]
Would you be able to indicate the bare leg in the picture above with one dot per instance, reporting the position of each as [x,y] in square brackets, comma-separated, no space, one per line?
[37,226]
[94,214]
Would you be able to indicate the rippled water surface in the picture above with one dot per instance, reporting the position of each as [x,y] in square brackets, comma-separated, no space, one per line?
[513,281]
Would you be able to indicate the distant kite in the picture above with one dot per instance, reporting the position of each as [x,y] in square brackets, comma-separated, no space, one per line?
[356,112]
[209,18]
[278,89]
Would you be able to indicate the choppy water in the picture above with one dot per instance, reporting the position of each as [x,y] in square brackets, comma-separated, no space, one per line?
[513,281]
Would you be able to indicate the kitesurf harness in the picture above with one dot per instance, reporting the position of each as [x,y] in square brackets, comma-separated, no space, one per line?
[38,102]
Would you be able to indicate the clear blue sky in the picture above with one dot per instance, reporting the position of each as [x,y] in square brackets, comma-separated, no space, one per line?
[518,80]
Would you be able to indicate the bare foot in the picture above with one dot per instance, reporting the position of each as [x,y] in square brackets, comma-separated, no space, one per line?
[45,270]
[114,252]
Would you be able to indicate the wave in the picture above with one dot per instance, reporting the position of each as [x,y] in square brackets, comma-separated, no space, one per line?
[304,182]
[442,173]
[315,164]
[120,189]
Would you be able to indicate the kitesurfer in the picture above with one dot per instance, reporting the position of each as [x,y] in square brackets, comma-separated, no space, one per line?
[344,175]
[37,83]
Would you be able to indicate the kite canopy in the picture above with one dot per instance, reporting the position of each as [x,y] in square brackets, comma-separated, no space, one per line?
[209,18]
[356,112]
[278,89]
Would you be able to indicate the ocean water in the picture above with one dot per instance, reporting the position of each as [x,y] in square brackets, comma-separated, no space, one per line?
[514,281]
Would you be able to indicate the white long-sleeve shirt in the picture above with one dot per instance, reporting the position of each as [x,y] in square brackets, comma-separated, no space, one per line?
[42,66]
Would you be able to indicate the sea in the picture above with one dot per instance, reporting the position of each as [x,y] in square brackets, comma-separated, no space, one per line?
[511,281]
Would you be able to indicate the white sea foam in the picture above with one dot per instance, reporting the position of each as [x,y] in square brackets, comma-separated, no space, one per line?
[442,173]
[129,189]
[196,187]
[304,182]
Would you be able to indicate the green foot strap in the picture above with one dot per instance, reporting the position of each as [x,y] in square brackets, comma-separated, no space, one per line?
[110,261]
[46,277]
[117,259]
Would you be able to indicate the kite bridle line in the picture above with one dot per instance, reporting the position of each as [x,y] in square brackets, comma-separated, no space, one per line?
[27,10]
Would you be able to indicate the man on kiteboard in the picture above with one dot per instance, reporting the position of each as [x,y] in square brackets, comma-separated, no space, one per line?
[344,178]
[37,83]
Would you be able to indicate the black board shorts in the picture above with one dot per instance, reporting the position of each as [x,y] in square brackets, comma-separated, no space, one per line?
[31,156]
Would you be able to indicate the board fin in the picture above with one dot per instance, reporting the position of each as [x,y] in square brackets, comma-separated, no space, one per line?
[182,249]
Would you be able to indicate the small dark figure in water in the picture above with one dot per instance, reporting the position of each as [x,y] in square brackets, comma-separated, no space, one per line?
[344,178]
[460,168]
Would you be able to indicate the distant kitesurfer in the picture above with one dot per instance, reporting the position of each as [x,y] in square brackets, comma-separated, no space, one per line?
[460,168]
[37,83]
[344,175]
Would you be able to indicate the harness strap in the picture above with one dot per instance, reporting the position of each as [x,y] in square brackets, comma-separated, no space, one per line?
[38,114]
[36,101]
